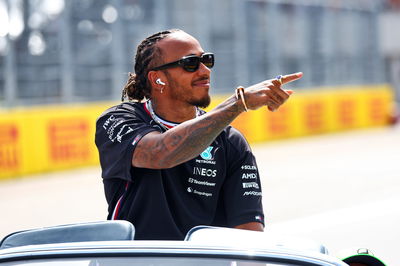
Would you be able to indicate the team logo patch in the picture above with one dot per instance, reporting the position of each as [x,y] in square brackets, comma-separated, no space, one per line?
[206,154]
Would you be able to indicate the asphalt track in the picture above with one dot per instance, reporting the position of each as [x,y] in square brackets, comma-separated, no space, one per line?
[341,190]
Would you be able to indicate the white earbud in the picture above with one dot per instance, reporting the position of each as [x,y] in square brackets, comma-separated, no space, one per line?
[158,81]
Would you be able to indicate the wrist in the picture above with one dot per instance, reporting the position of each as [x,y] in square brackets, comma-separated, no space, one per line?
[240,98]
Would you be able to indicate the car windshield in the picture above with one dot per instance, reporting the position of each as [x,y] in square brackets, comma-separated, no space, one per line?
[143,261]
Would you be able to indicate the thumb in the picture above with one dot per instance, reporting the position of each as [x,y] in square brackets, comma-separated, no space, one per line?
[290,92]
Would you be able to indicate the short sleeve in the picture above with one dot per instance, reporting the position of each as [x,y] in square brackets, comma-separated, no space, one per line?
[117,133]
[242,187]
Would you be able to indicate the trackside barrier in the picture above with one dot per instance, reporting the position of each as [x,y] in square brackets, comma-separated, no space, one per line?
[42,139]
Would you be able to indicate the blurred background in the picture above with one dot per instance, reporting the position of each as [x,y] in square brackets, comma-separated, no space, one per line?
[328,158]
[58,51]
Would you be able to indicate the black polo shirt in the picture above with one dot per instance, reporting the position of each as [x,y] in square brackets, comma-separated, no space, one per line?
[220,187]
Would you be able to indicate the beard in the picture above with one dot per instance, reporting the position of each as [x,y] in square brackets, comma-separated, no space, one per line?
[201,103]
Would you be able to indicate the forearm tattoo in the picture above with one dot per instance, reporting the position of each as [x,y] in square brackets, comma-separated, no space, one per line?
[187,140]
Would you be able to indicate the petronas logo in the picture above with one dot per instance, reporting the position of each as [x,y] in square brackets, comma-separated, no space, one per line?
[206,154]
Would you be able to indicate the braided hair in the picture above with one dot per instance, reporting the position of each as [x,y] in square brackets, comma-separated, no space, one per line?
[147,54]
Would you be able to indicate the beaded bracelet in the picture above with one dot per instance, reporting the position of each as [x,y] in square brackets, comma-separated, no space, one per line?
[240,94]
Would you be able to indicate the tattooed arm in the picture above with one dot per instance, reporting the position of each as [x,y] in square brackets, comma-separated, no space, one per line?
[188,139]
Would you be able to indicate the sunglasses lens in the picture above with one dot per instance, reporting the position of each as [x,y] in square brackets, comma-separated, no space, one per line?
[208,60]
[191,64]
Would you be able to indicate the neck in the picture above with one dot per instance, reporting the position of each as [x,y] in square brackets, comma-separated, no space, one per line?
[174,112]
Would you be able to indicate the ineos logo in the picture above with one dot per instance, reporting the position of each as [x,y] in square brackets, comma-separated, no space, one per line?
[204,172]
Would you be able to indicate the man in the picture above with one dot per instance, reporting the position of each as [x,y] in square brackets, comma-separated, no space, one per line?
[168,166]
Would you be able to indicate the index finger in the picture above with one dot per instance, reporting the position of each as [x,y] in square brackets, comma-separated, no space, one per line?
[291,77]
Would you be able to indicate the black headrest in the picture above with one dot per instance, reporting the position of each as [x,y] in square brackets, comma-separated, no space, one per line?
[82,232]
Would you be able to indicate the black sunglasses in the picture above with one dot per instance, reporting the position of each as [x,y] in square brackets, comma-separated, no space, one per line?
[190,63]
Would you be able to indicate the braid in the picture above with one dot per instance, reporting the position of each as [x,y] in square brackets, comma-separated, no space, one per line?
[147,54]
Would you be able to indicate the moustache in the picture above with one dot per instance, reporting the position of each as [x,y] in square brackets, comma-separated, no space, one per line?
[203,78]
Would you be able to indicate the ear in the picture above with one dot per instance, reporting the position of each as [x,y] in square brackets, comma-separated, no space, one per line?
[152,76]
